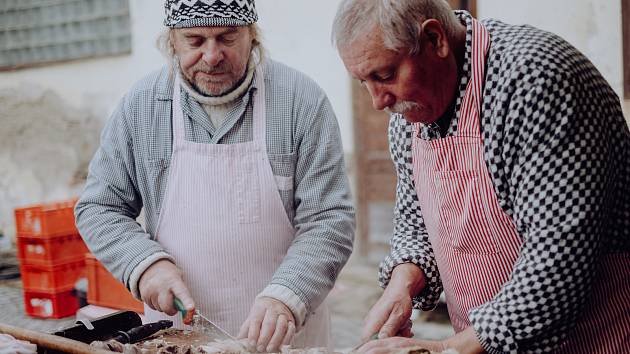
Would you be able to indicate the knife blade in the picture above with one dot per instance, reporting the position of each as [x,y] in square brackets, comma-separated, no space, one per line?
[201,324]
[210,328]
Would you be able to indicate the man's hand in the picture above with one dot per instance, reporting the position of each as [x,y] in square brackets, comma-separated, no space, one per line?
[160,283]
[464,342]
[269,325]
[390,315]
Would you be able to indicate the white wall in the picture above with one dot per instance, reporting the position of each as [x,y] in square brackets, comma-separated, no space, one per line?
[297,32]
[592,26]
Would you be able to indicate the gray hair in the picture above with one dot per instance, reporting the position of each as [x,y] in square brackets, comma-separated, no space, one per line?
[165,43]
[398,19]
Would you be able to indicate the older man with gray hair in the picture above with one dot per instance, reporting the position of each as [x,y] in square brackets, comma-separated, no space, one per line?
[237,163]
[513,189]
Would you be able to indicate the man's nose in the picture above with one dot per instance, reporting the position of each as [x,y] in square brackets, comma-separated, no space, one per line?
[381,98]
[212,53]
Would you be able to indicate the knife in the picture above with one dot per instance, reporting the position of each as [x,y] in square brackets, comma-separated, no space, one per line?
[202,324]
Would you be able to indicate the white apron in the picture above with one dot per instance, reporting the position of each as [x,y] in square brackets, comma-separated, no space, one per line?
[223,221]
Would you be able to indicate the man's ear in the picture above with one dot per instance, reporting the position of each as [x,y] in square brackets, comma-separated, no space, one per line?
[436,37]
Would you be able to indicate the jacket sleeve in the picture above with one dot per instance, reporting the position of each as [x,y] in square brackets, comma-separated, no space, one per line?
[110,203]
[324,214]
[410,241]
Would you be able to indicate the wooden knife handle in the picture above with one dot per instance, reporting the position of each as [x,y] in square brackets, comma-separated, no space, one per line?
[49,341]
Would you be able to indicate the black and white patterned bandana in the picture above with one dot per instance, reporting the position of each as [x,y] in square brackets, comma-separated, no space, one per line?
[209,13]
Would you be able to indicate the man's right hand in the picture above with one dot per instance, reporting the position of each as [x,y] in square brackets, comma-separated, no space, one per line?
[390,315]
[160,284]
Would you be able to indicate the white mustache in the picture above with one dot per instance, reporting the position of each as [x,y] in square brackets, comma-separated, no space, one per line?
[402,107]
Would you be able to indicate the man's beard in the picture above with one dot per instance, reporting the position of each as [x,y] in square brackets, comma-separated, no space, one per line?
[218,89]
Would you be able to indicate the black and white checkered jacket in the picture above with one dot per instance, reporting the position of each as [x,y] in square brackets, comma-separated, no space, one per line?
[558,151]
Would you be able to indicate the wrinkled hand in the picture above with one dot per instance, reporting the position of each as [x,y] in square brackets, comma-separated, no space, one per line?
[160,283]
[389,345]
[464,342]
[391,313]
[389,316]
[269,325]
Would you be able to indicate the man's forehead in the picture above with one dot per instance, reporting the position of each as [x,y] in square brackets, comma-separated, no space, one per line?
[366,55]
[207,31]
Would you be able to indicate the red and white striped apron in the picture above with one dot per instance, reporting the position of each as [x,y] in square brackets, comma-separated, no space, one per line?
[223,221]
[476,243]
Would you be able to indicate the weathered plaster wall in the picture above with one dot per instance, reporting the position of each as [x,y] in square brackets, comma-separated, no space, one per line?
[45,147]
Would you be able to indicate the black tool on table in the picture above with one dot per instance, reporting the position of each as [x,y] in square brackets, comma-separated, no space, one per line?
[102,328]
[123,326]
[139,333]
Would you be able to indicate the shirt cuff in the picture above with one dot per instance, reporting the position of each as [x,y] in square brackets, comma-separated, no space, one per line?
[492,333]
[134,278]
[290,299]
[429,297]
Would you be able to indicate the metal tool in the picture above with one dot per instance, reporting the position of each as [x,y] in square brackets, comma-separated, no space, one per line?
[102,328]
[139,333]
[209,328]
[202,324]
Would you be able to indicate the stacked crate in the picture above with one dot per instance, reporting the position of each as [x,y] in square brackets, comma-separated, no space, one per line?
[52,258]
[105,290]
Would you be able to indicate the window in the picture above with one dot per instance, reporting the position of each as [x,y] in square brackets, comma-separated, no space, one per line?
[34,32]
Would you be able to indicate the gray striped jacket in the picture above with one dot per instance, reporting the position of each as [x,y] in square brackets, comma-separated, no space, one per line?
[130,169]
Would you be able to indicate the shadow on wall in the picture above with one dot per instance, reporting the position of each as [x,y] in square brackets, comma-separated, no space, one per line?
[45,149]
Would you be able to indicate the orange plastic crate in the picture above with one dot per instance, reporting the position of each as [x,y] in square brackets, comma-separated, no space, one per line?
[105,290]
[50,251]
[51,278]
[46,220]
[44,304]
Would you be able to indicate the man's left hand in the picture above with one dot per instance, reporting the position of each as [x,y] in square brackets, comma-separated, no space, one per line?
[270,324]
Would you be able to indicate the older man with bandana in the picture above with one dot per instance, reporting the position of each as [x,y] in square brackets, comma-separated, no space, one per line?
[513,197]
[237,162]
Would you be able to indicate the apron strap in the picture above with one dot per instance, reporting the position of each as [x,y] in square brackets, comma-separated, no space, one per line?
[471,104]
[179,132]
[260,114]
